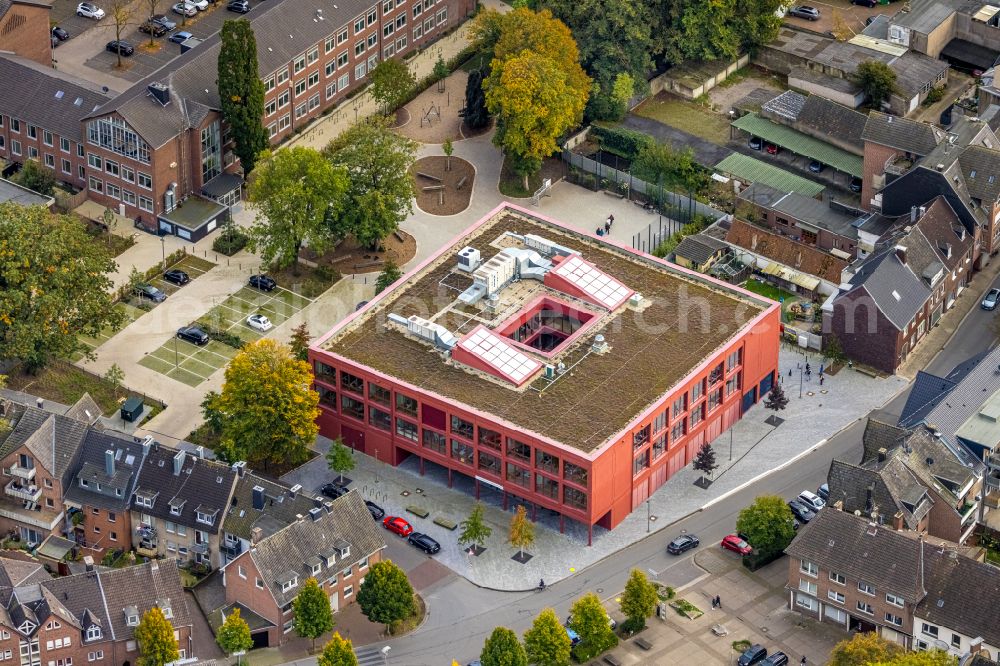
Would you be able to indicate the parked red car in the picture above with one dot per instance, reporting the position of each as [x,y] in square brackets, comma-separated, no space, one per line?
[772,149]
[734,543]
[397,525]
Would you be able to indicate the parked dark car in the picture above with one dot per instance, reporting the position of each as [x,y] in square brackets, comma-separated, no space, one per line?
[378,513]
[333,491]
[865,3]
[263,282]
[238,6]
[683,543]
[161,19]
[855,185]
[816,166]
[193,334]
[179,37]
[804,12]
[990,300]
[60,33]
[824,490]
[801,511]
[152,293]
[176,276]
[154,29]
[776,659]
[756,142]
[120,46]
[424,543]
[753,655]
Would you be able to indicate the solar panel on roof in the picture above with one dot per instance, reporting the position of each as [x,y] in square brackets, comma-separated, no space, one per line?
[592,281]
[496,353]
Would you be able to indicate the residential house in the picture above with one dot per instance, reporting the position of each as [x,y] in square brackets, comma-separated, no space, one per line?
[848,571]
[890,299]
[38,456]
[963,33]
[178,506]
[698,252]
[259,508]
[25,30]
[885,491]
[334,543]
[99,495]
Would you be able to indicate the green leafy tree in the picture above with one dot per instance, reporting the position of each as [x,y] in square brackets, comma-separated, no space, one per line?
[476,115]
[386,596]
[864,649]
[522,530]
[268,405]
[661,164]
[155,638]
[475,531]
[590,621]
[833,350]
[390,273]
[547,643]
[293,192]
[935,657]
[55,286]
[621,92]
[877,81]
[211,413]
[313,616]
[36,177]
[337,652]
[391,82]
[757,22]
[299,342]
[115,376]
[776,398]
[700,31]
[448,148]
[241,91]
[768,524]
[440,72]
[503,649]
[638,601]
[380,189]
[234,634]
[704,460]
[339,458]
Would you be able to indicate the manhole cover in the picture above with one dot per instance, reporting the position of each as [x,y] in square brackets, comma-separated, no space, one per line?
[600,590]
[824,391]
[405,493]
[652,518]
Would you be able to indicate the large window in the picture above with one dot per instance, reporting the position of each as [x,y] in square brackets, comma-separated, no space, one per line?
[489,438]
[547,462]
[461,452]
[435,441]
[115,135]
[327,397]
[574,474]
[462,428]
[352,407]
[640,438]
[679,406]
[378,394]
[379,419]
[575,499]
[351,383]
[406,429]
[406,405]
[546,486]
[518,450]
[211,152]
[489,463]
[518,475]
[640,463]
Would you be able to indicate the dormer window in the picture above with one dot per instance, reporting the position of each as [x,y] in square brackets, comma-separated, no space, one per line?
[83,483]
[290,584]
[345,552]
[207,518]
[93,632]
[143,500]
[175,510]
[316,569]
[167,612]
[132,620]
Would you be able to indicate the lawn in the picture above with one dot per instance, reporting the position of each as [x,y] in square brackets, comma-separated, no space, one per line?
[769,291]
[64,383]
[687,116]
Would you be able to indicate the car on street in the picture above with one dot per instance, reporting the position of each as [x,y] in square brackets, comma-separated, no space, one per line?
[824,492]
[683,543]
[161,19]
[378,513]
[397,525]
[259,322]
[754,654]
[804,12]
[423,542]
[775,659]
[855,185]
[333,491]
[756,142]
[185,9]
[202,5]
[865,3]
[238,6]
[771,149]
[59,33]
[179,37]
[736,544]
[154,29]
[151,292]
[263,282]
[802,512]
[176,275]
[811,500]
[89,10]
[816,166]
[120,46]
[193,334]
[990,300]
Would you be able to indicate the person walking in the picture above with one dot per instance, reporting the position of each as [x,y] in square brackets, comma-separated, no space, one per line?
[607,227]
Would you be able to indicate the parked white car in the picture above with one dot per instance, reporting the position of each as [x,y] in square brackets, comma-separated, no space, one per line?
[185,9]
[812,500]
[202,5]
[89,10]
[259,322]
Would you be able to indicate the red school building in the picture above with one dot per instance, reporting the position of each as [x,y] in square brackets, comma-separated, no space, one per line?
[534,360]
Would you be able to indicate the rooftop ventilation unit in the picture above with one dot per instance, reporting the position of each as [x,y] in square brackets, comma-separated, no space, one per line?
[436,334]
[469,259]
[546,247]
[600,345]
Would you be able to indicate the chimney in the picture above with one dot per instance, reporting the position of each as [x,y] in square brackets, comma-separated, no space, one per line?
[255,535]
[869,504]
[901,253]
[939,167]
[839,505]
[109,462]
[882,454]
[147,441]
[199,451]
[178,462]
[294,490]
[897,521]
[88,562]
[315,514]
[258,498]
[913,214]
[160,92]
[240,467]
[921,211]
[947,250]
[40,403]
[976,645]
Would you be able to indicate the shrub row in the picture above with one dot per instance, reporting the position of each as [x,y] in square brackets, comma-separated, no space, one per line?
[225,337]
[620,141]
[230,241]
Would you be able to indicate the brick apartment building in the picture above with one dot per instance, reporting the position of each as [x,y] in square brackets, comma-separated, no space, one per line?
[546,389]
[335,543]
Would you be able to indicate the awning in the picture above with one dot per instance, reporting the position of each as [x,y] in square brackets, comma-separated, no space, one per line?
[222,185]
[807,282]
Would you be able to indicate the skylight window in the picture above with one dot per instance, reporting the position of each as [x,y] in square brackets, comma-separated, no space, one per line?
[598,286]
[499,355]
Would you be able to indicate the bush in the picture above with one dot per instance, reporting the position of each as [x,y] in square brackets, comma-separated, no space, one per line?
[631,626]
[230,241]
[585,651]
[225,337]
[326,274]
[622,142]
[935,95]
[756,559]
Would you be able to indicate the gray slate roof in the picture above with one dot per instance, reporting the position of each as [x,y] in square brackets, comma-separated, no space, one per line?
[201,484]
[880,489]
[927,392]
[901,134]
[963,595]
[128,456]
[880,435]
[823,115]
[938,465]
[53,440]
[897,292]
[981,170]
[817,213]
[343,521]
[966,398]
[698,248]
[281,508]
[143,586]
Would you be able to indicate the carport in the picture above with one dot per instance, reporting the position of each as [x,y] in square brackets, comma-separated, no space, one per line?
[800,144]
[750,170]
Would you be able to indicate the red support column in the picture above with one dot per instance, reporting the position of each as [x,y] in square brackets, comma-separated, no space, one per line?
[590,535]
[534,512]
[504,500]
[421,465]
[449,477]
[477,489]
[562,524]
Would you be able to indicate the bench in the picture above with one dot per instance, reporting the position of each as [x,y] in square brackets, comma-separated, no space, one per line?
[399,236]
[614,194]
[433,188]
[418,511]
[428,176]
[612,660]
[445,523]
[461,183]
[643,643]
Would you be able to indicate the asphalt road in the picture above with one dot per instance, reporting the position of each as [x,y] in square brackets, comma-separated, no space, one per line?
[462,615]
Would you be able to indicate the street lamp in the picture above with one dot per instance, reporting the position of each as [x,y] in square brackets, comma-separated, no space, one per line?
[649,517]
[731,443]
[163,252]
[175,352]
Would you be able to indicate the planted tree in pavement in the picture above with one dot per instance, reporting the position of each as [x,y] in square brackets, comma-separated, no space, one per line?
[776,398]
[475,531]
[590,621]
[522,530]
[313,616]
[704,460]
[546,643]
[339,458]
[503,649]
[337,652]
[386,596]
[638,601]
[768,524]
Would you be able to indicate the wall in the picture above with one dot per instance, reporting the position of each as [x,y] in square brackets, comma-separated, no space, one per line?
[25,31]
[934,42]
[679,79]
[106,530]
[864,332]
[65,166]
[977,32]
[839,96]
[875,158]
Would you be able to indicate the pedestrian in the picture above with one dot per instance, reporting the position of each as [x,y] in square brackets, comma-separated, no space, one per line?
[808,369]
[607,227]
[611,220]
[803,662]
[718,602]
[789,372]
[821,378]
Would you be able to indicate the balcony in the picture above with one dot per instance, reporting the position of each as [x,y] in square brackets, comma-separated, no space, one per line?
[232,550]
[898,165]
[201,548]
[28,493]
[26,473]
[148,550]
[968,511]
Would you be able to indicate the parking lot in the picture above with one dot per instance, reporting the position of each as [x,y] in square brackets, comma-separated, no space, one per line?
[190,264]
[839,15]
[190,364]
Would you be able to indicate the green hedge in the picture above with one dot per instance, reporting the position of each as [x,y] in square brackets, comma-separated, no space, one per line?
[756,559]
[623,142]
[585,650]
[230,241]
[225,337]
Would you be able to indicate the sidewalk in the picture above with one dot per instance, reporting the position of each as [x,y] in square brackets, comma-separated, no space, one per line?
[842,400]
